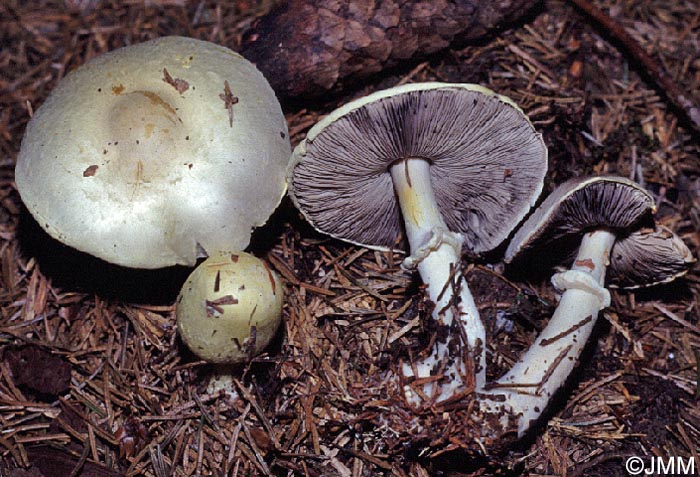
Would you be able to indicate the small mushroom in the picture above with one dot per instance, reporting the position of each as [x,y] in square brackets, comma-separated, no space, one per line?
[229,309]
[154,154]
[594,212]
[453,165]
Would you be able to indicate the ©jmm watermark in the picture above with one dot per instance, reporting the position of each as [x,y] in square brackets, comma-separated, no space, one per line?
[661,466]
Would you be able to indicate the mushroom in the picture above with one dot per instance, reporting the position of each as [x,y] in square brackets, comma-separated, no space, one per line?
[154,154]
[594,212]
[228,311]
[457,165]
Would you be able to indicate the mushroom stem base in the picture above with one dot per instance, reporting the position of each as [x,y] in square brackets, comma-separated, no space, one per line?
[221,380]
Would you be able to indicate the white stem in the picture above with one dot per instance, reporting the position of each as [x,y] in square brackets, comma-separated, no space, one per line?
[221,379]
[437,252]
[524,391]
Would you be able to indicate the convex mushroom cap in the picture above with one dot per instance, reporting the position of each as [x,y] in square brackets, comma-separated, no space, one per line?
[229,308]
[487,163]
[149,154]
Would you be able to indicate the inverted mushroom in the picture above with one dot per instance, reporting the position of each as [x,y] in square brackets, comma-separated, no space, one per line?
[154,154]
[229,309]
[454,165]
[593,212]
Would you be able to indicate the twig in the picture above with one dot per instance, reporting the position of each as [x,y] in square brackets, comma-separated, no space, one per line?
[664,82]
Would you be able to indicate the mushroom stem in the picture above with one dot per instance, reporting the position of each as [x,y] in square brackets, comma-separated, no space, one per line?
[525,390]
[221,379]
[436,252]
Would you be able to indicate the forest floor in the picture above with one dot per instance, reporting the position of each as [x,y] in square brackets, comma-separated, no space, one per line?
[95,382]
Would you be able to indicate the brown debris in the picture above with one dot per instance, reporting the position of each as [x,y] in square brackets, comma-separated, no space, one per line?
[229,100]
[90,170]
[53,462]
[38,370]
[585,263]
[217,281]
[131,436]
[681,99]
[557,337]
[180,85]
[214,307]
[273,285]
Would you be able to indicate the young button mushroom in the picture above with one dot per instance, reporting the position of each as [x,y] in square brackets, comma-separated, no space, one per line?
[457,165]
[593,212]
[229,309]
[150,154]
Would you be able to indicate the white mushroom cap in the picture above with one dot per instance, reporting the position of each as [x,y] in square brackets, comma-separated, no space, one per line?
[147,152]
[229,308]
